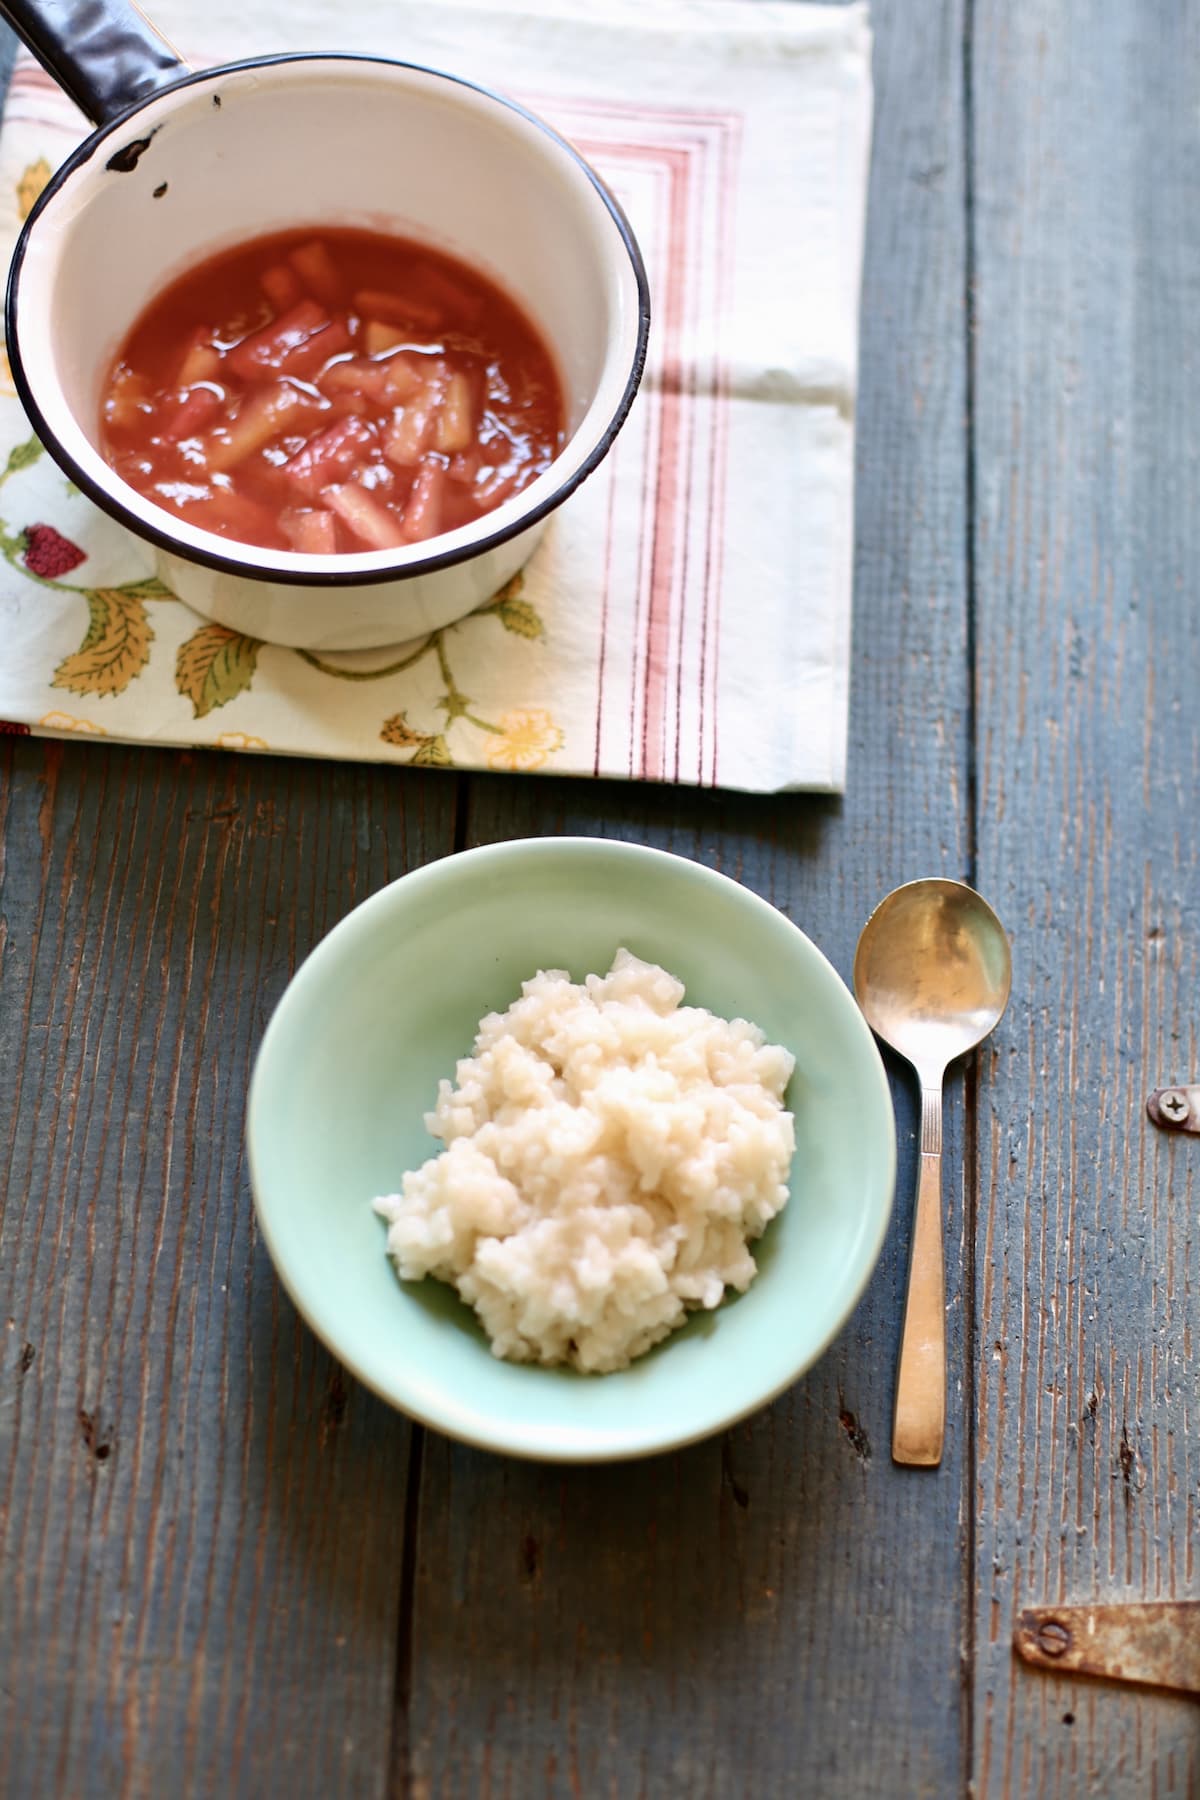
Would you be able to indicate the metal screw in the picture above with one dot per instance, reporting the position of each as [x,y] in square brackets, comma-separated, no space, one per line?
[1174,1106]
[1053,1639]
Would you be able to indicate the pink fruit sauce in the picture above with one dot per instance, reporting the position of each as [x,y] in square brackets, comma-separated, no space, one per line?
[329,392]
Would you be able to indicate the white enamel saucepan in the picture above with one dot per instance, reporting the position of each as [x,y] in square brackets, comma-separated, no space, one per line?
[185,164]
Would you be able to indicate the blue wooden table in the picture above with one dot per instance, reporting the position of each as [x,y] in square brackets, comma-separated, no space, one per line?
[227,1569]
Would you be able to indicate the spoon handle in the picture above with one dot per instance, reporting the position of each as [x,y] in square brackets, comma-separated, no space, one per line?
[920,1419]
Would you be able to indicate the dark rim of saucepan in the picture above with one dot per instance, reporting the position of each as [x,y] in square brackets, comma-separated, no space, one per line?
[242,565]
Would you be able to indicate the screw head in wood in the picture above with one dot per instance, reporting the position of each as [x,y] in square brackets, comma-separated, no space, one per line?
[1053,1639]
[1173,1105]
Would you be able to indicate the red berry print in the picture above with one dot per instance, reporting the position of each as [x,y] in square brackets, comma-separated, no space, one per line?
[49,554]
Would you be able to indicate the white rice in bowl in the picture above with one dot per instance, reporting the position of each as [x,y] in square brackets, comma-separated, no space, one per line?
[610,1154]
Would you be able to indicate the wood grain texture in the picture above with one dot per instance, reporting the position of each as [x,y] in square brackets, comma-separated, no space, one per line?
[201,1517]
[781,1612]
[1087,190]
[208,1580]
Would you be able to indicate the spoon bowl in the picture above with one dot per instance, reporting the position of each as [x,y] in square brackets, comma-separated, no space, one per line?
[932,971]
[932,975]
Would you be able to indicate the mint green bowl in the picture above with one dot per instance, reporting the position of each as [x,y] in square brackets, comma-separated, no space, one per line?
[391,998]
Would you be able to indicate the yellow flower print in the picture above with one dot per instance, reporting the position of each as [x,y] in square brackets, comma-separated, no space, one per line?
[31,184]
[61,721]
[240,740]
[7,385]
[525,740]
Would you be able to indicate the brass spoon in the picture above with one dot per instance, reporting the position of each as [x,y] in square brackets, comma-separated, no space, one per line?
[932,974]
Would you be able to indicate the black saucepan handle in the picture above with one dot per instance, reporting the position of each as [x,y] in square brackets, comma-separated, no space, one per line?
[102,53]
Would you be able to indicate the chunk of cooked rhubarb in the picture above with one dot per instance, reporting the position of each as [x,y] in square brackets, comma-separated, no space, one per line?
[354,375]
[456,417]
[379,479]
[308,358]
[129,399]
[423,513]
[262,416]
[414,425]
[329,456]
[410,431]
[379,338]
[346,406]
[318,271]
[281,285]
[192,413]
[261,356]
[376,526]
[404,378]
[397,309]
[315,533]
[464,466]
[201,361]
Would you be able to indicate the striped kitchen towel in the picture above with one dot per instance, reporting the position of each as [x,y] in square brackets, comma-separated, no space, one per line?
[687,617]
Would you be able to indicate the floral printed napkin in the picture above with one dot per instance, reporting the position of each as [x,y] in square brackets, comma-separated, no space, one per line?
[687,616]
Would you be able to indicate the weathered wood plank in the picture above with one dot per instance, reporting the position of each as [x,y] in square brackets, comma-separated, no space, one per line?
[201,1518]
[1087,190]
[781,1612]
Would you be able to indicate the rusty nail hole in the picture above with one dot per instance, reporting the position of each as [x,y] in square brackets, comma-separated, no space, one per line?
[1052,1638]
[1068,1718]
[741,1497]
[860,1443]
[100,1449]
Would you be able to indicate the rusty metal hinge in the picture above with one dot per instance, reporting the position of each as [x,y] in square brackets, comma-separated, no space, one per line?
[1156,1643]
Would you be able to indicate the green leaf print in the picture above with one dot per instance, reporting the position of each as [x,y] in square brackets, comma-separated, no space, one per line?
[214,667]
[115,648]
[23,456]
[433,754]
[519,617]
[149,588]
